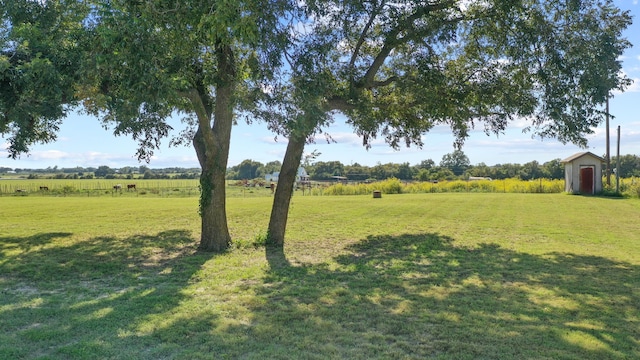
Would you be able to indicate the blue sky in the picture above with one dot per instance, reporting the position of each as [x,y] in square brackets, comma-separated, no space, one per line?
[83,142]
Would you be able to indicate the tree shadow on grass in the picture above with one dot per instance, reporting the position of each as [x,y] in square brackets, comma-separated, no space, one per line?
[418,296]
[25,244]
[84,299]
[411,296]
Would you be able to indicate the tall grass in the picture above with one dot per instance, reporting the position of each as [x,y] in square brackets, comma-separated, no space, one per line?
[629,187]
[395,186]
[389,186]
[189,187]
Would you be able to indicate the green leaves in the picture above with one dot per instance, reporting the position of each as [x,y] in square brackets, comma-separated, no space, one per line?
[395,69]
[39,61]
[408,66]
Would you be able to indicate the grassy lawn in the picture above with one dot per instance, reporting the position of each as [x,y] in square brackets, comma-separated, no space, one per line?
[444,276]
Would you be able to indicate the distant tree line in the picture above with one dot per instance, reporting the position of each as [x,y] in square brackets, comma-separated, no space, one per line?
[452,166]
[106,172]
[250,169]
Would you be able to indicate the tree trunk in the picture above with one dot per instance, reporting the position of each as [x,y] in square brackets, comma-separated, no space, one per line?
[213,212]
[211,143]
[284,191]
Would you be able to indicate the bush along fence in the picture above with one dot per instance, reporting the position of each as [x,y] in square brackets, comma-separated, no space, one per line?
[395,186]
[629,187]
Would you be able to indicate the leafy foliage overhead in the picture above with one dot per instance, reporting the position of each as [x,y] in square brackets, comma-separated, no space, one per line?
[40,49]
[395,68]
[398,68]
[156,59]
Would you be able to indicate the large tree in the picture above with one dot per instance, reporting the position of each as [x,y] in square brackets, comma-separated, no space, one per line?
[248,169]
[134,65]
[457,162]
[398,68]
[205,59]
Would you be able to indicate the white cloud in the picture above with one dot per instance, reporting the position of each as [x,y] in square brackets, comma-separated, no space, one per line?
[90,158]
[511,143]
[500,151]
[635,87]
[629,138]
[519,123]
[49,155]
[340,138]
[160,161]
[273,140]
[334,138]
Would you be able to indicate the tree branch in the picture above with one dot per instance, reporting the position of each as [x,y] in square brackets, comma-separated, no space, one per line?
[338,103]
[392,40]
[384,82]
[204,119]
[374,13]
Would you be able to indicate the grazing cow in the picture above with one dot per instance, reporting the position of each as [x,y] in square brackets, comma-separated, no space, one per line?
[131,186]
[44,188]
[117,187]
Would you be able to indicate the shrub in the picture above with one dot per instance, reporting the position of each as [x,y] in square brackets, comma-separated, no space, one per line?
[395,186]
[260,239]
[390,186]
[457,186]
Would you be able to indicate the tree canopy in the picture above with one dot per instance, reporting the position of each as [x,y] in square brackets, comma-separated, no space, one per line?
[205,60]
[41,46]
[135,64]
[396,69]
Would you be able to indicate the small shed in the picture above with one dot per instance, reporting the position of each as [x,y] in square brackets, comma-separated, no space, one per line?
[583,173]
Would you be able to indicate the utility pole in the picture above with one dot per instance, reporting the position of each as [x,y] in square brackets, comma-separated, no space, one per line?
[607,157]
[618,164]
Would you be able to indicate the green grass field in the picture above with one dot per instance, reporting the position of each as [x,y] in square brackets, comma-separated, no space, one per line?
[443,276]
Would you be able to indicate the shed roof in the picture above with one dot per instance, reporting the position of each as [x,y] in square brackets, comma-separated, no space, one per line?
[579,155]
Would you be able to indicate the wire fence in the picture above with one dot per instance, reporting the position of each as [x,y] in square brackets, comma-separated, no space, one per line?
[191,188]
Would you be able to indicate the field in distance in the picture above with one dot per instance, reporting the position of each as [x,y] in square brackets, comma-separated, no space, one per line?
[260,187]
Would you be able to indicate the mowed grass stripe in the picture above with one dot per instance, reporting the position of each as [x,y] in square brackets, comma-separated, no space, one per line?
[448,276]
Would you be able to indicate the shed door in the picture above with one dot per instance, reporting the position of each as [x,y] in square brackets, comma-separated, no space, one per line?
[586,180]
